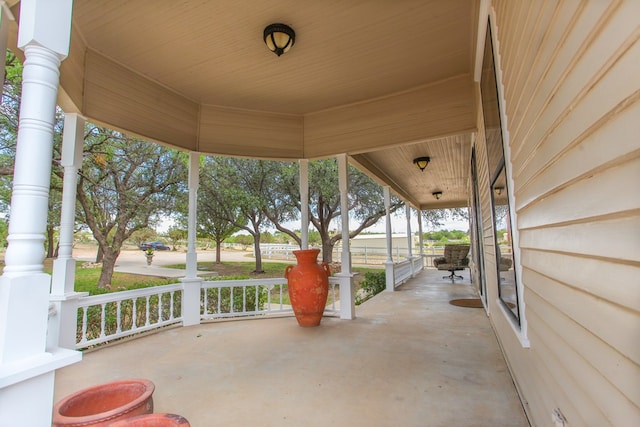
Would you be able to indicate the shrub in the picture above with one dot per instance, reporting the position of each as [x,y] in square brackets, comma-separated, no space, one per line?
[373,284]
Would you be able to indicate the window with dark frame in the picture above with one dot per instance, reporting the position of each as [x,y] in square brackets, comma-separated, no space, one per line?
[476,228]
[507,281]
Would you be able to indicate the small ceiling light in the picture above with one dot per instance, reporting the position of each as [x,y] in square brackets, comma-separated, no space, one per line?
[279,38]
[421,162]
[498,190]
[437,194]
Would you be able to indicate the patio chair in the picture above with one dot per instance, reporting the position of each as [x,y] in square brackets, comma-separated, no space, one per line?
[454,259]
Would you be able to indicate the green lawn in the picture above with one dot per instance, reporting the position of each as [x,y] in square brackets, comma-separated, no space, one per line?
[87,278]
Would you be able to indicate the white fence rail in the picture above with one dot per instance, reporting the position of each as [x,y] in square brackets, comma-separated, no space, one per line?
[109,317]
[252,297]
[366,255]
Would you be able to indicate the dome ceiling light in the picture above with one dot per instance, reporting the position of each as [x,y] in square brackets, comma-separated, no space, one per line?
[279,38]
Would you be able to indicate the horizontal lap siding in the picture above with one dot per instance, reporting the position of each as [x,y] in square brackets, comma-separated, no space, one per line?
[149,109]
[70,69]
[570,73]
[226,131]
[429,112]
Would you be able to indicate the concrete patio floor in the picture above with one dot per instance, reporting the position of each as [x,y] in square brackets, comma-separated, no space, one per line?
[409,359]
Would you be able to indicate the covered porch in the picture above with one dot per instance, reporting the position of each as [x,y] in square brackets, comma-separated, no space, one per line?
[409,358]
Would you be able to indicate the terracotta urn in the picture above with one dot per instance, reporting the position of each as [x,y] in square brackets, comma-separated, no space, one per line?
[153,420]
[105,403]
[308,285]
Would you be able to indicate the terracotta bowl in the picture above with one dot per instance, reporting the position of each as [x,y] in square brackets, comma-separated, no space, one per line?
[153,420]
[105,403]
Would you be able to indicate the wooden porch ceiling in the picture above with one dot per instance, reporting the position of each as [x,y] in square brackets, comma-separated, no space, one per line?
[197,76]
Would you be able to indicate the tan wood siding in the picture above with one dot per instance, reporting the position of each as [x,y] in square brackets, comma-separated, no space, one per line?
[126,100]
[252,134]
[436,110]
[72,74]
[570,73]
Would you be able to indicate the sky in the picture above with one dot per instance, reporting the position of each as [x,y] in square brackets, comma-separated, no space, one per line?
[398,225]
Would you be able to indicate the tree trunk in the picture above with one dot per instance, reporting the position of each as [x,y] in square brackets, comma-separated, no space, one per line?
[218,250]
[108,265]
[327,251]
[50,243]
[99,255]
[256,249]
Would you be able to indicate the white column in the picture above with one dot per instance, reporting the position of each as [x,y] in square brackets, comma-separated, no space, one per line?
[409,237]
[420,239]
[347,297]
[62,327]
[192,283]
[388,264]
[194,184]
[304,203]
[27,366]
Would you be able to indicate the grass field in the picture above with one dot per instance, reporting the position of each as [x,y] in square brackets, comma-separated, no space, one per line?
[87,278]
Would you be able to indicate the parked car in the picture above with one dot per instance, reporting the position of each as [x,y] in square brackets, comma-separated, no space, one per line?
[156,246]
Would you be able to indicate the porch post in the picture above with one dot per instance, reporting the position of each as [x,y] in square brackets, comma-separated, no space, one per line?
[420,238]
[388,264]
[409,238]
[192,283]
[27,365]
[62,327]
[304,203]
[347,297]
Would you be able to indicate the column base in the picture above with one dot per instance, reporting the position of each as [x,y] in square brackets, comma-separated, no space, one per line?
[347,296]
[191,301]
[26,387]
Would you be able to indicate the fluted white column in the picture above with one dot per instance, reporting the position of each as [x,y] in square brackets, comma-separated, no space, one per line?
[192,283]
[304,203]
[347,295]
[388,264]
[27,365]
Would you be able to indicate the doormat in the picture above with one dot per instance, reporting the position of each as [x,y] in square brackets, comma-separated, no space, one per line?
[467,302]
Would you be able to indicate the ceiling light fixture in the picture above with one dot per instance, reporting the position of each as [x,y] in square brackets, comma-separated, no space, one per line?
[498,190]
[437,194]
[279,38]
[421,162]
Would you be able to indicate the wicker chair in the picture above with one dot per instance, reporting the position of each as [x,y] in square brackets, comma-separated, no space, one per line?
[454,259]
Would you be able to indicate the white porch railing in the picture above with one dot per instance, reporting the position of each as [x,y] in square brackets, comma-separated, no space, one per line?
[109,317]
[252,297]
[403,270]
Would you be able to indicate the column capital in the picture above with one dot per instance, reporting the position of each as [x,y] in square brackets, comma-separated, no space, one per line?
[46,23]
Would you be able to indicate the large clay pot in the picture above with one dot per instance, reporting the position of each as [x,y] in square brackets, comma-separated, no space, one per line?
[308,284]
[105,403]
[153,420]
